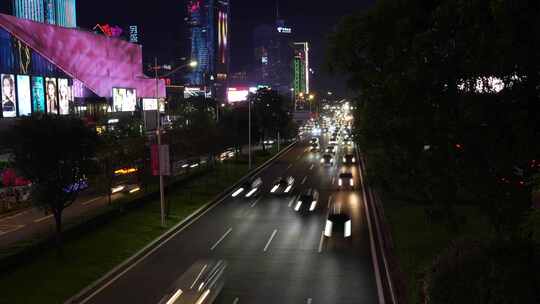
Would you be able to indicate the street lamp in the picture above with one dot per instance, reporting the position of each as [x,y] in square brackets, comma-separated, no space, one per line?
[191,64]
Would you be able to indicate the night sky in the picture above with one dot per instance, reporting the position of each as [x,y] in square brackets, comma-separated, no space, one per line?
[164,32]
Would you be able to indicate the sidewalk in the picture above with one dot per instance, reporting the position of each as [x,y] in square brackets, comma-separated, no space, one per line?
[34,224]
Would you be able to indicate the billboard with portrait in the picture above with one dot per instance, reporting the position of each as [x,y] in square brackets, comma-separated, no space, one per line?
[65,98]
[124,100]
[38,95]
[9,101]
[51,95]
[24,95]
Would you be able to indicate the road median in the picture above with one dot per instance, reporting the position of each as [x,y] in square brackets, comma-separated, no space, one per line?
[94,288]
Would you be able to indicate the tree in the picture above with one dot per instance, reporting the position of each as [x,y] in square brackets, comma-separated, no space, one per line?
[446,107]
[118,147]
[55,153]
[271,115]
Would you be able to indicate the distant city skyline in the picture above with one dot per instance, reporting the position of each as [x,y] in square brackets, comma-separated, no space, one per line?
[164,31]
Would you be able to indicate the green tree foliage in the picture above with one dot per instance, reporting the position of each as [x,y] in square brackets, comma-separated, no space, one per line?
[55,153]
[484,273]
[271,115]
[121,145]
[434,127]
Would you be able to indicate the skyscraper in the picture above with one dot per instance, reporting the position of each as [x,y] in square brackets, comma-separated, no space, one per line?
[58,12]
[209,22]
[274,55]
[301,68]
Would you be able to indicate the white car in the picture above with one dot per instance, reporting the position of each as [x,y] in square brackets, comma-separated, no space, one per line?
[338,224]
[283,185]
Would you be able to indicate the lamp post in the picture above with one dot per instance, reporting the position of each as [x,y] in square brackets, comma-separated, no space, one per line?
[249,132]
[191,64]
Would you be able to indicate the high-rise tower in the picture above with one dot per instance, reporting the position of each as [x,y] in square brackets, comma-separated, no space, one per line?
[209,22]
[58,12]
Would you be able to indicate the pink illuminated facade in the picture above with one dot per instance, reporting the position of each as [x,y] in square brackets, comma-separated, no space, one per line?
[94,62]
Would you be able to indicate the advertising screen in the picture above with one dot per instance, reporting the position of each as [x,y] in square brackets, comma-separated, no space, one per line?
[237,94]
[38,95]
[23,92]
[51,95]
[65,97]
[150,104]
[9,103]
[124,100]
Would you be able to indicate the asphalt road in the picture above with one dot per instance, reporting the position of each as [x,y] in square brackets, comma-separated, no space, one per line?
[274,254]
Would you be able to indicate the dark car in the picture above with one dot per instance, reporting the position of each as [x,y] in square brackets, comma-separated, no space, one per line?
[338,223]
[307,201]
[201,283]
[249,188]
[346,180]
[283,185]
[327,160]
[331,149]
[349,159]
[315,147]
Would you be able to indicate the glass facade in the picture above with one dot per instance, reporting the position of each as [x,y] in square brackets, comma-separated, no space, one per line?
[57,12]
[209,22]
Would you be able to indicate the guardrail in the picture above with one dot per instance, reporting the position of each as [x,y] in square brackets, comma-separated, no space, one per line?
[91,290]
[385,264]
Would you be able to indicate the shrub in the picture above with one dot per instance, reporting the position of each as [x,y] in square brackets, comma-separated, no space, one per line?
[494,272]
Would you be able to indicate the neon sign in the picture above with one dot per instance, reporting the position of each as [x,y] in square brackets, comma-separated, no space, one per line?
[284,30]
[108,30]
[125,171]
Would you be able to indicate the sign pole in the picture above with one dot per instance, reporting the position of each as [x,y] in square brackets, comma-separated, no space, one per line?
[161,188]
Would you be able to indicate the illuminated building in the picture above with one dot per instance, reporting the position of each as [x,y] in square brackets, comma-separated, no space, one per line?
[301,68]
[57,12]
[274,55]
[209,22]
[62,70]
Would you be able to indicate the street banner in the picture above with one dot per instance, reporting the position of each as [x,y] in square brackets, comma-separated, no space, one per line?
[155,160]
[165,163]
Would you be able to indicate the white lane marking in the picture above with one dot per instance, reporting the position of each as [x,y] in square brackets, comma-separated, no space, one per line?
[90,201]
[304,180]
[311,167]
[18,227]
[321,242]
[255,202]
[333,180]
[198,276]
[309,301]
[221,239]
[14,216]
[43,218]
[291,202]
[290,166]
[270,240]
[236,301]
[329,201]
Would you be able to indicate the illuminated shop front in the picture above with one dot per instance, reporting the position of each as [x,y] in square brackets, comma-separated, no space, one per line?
[58,70]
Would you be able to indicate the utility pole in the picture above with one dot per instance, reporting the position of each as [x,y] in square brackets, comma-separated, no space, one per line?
[249,132]
[161,188]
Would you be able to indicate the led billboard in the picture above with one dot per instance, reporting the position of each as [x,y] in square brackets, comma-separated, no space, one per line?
[24,95]
[124,100]
[51,98]
[237,94]
[65,96]
[9,103]
[38,95]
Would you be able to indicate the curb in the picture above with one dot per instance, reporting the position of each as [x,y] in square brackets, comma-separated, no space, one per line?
[374,214]
[88,292]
